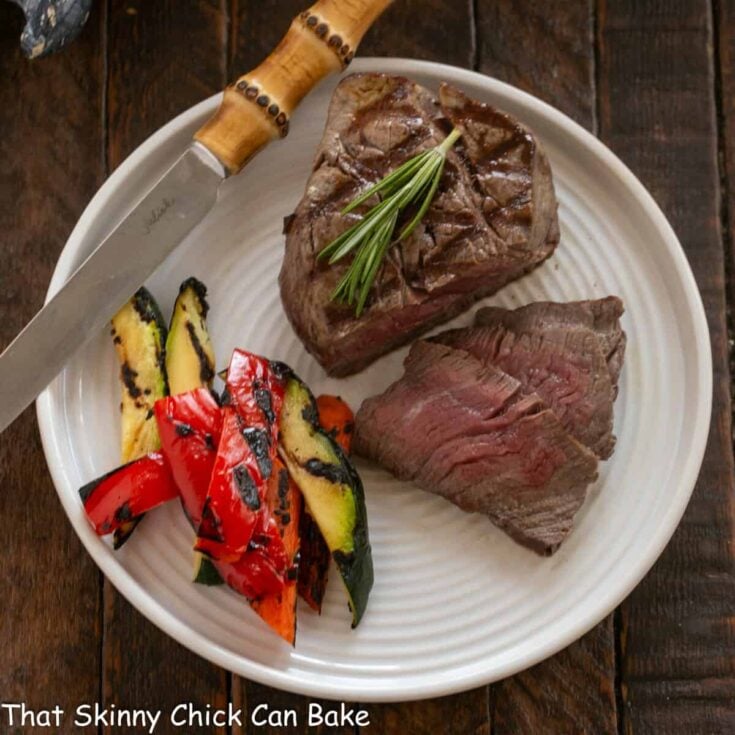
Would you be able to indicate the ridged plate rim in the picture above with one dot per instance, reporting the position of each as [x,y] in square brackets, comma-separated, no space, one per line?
[427,685]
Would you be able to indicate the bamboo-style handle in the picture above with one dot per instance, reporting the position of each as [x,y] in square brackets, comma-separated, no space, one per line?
[257,107]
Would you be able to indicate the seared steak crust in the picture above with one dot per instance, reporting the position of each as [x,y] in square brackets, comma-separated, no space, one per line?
[493,219]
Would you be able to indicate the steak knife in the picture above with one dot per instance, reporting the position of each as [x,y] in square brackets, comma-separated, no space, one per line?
[254,111]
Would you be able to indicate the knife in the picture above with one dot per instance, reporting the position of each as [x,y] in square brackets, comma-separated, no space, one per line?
[254,111]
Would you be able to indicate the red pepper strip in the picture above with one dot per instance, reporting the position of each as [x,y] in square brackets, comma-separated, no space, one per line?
[230,512]
[252,576]
[261,570]
[248,447]
[284,501]
[337,419]
[127,492]
[256,387]
[190,425]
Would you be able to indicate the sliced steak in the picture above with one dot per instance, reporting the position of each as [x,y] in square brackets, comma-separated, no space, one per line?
[493,218]
[466,431]
[602,316]
[564,367]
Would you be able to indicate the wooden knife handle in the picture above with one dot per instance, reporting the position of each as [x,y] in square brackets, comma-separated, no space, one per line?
[257,107]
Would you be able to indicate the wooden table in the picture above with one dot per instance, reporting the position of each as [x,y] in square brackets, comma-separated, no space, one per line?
[654,80]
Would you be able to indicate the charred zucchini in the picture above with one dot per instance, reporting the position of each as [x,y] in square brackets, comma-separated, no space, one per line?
[139,334]
[332,491]
[190,365]
[189,351]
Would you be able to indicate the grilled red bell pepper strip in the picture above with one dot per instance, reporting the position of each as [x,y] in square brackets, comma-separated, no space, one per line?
[285,503]
[190,425]
[127,492]
[248,446]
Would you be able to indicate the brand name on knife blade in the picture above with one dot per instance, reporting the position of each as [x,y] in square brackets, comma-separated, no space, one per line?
[157,214]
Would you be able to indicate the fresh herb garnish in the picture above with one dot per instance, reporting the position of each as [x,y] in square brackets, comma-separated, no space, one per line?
[413,183]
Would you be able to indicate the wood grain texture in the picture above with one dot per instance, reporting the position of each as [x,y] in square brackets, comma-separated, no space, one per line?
[50,115]
[248,696]
[574,691]
[544,48]
[162,58]
[724,21]
[657,111]
[441,30]
[459,714]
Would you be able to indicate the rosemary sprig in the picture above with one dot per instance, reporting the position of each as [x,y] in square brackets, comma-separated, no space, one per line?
[413,183]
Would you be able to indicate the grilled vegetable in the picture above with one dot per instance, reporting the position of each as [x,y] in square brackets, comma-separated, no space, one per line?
[189,351]
[283,499]
[139,335]
[337,419]
[313,563]
[189,366]
[190,425]
[244,462]
[127,492]
[332,491]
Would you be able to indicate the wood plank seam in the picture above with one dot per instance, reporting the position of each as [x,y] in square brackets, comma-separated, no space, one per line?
[726,223]
[617,615]
[105,163]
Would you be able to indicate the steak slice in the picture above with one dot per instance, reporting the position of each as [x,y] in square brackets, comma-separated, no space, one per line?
[602,316]
[465,430]
[493,218]
[565,367]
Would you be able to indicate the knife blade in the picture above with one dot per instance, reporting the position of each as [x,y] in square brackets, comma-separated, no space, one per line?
[254,110]
[107,278]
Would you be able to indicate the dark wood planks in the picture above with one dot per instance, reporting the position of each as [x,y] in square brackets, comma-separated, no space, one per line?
[162,58]
[657,110]
[574,691]
[466,713]
[560,65]
[724,21]
[50,116]
[440,30]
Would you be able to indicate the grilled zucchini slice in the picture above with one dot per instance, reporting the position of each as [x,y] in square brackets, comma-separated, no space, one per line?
[190,365]
[332,490]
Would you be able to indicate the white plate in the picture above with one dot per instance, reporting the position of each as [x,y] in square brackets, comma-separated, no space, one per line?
[456,603]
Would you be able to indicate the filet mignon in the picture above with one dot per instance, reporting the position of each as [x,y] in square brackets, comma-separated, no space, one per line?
[493,219]
[560,352]
[465,430]
[602,316]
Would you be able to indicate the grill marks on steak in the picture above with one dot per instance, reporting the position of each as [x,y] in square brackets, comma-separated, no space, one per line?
[466,430]
[492,220]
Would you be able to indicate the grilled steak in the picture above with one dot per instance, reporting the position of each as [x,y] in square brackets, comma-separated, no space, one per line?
[467,431]
[492,220]
[602,316]
[560,352]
